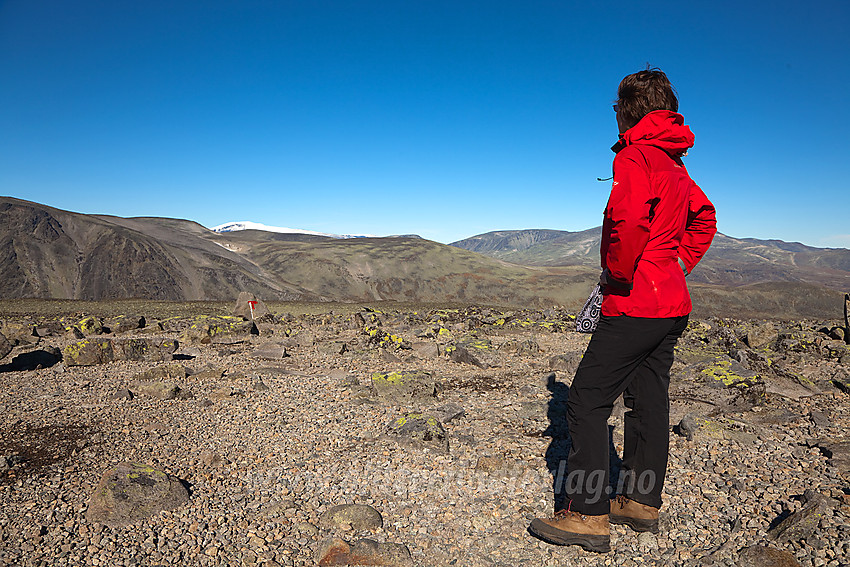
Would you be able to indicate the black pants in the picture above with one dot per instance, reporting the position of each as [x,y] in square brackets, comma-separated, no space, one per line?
[630,356]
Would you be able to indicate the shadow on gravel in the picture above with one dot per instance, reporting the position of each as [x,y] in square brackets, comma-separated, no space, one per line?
[559,448]
[32,360]
[26,449]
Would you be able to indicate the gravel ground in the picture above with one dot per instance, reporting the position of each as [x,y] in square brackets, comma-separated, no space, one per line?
[263,465]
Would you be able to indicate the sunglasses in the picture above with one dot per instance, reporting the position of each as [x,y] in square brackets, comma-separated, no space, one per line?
[616,107]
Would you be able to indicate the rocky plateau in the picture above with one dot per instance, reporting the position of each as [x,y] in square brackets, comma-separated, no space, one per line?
[376,436]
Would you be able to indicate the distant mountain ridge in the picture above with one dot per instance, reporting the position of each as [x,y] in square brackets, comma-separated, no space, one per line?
[730,261]
[51,253]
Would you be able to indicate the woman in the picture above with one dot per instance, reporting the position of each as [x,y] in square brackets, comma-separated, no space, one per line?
[658,224]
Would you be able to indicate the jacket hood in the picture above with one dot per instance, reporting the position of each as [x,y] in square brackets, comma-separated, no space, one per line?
[660,128]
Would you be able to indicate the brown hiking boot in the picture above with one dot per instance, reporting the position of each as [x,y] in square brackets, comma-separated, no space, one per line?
[573,528]
[639,517]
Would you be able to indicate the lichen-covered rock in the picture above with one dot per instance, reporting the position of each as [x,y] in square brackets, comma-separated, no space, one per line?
[421,431]
[91,351]
[335,551]
[357,517]
[380,338]
[404,387]
[88,352]
[90,326]
[145,349]
[130,492]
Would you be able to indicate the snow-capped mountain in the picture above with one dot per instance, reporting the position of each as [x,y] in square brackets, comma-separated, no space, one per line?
[248,225]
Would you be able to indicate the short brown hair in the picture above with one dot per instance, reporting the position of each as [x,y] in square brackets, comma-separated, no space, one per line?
[642,92]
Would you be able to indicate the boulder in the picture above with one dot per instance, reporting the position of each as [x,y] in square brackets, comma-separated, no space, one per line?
[332,348]
[124,323]
[693,426]
[162,389]
[567,362]
[88,352]
[357,517]
[420,431]
[404,387]
[91,351]
[426,349]
[803,523]
[90,326]
[244,304]
[477,352]
[761,336]
[335,551]
[19,333]
[130,492]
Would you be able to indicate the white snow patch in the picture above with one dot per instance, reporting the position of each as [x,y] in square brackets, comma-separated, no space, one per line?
[248,225]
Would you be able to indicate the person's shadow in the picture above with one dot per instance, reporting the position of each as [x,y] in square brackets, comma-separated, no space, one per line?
[559,448]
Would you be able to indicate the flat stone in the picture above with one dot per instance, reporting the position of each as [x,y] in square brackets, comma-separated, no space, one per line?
[761,556]
[362,552]
[447,412]
[270,351]
[356,517]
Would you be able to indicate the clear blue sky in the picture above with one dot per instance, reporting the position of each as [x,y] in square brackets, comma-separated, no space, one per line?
[441,118]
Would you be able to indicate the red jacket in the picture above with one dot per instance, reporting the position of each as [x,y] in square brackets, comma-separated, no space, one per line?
[655,216]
